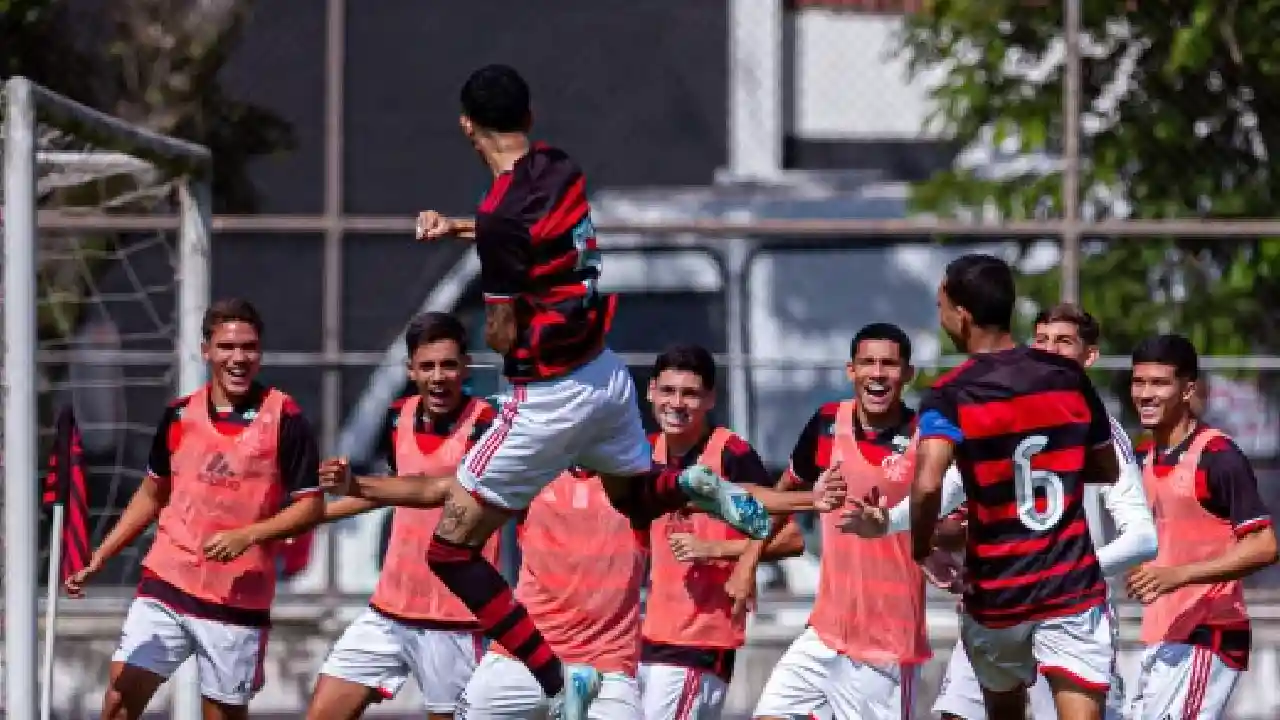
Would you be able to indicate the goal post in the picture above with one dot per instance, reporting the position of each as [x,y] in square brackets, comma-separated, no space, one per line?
[59,153]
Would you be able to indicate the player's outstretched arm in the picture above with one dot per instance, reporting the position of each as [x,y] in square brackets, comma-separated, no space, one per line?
[1135,541]
[402,491]
[688,547]
[346,507]
[933,456]
[143,509]
[868,518]
[432,225]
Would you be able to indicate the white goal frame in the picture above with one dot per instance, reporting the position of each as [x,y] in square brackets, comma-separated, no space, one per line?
[27,106]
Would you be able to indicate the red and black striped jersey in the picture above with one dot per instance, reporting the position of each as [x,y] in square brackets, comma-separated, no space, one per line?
[1023,422]
[537,250]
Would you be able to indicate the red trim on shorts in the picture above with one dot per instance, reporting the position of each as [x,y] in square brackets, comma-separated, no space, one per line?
[488,447]
[259,664]
[905,679]
[478,640]
[1198,683]
[1065,673]
[688,695]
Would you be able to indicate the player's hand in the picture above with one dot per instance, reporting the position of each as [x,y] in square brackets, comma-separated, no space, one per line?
[831,490]
[689,548]
[868,517]
[741,588]
[335,476]
[75,583]
[432,225]
[945,570]
[1147,582]
[229,544]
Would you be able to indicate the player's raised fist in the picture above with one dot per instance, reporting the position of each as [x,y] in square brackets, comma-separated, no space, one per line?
[335,476]
[432,225]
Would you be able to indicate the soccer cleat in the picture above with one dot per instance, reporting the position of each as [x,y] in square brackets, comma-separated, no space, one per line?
[581,686]
[725,501]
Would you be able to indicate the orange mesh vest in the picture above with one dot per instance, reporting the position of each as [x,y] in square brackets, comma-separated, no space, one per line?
[687,602]
[870,603]
[580,575]
[406,586]
[218,483]
[1188,533]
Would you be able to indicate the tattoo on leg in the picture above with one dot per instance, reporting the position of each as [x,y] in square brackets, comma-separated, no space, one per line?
[451,520]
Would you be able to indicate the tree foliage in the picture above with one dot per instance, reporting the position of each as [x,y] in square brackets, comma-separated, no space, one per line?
[1181,120]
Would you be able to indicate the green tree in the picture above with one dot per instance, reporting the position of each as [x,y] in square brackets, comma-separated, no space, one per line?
[1181,122]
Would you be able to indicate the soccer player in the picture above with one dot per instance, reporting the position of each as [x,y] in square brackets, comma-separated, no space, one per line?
[866,640]
[573,400]
[1073,333]
[1025,429]
[225,460]
[1214,531]
[582,567]
[414,626]
[692,628]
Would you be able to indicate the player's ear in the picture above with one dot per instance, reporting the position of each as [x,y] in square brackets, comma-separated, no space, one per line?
[653,385]
[468,127]
[908,374]
[204,350]
[1090,355]
[710,403]
[1189,391]
[848,371]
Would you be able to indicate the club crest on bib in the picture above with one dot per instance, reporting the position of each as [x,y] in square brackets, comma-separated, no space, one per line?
[896,466]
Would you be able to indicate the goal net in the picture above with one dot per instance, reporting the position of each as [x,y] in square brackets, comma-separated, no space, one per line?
[105,277]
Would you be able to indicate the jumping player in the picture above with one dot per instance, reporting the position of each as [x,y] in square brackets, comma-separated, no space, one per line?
[573,401]
[1072,333]
[1214,531]
[414,626]
[866,639]
[1025,429]
[224,461]
[582,567]
[692,629]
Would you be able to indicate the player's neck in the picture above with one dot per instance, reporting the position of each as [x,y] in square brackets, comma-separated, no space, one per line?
[679,445]
[982,341]
[220,398]
[880,421]
[504,151]
[1172,435]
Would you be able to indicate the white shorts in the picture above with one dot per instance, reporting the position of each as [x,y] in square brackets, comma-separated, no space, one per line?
[672,692]
[588,417]
[1182,681]
[1079,647]
[961,695]
[158,639]
[381,653]
[504,689]
[811,676]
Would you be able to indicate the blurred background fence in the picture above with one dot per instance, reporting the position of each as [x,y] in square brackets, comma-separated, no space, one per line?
[767,176]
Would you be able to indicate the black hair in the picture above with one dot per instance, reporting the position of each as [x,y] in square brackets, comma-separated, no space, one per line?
[690,358]
[983,285]
[883,331]
[230,310]
[1086,325]
[496,98]
[429,327]
[1174,350]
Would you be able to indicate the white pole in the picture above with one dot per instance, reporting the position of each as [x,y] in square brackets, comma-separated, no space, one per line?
[755,89]
[21,467]
[51,608]
[194,200]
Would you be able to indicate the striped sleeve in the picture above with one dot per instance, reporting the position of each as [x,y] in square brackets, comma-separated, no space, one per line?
[1121,443]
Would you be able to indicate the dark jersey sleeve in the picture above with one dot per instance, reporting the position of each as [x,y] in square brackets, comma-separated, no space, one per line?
[804,455]
[387,438]
[299,456]
[488,414]
[1231,489]
[158,464]
[742,464]
[505,248]
[939,417]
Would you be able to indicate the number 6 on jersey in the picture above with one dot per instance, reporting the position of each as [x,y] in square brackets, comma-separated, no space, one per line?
[1025,482]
